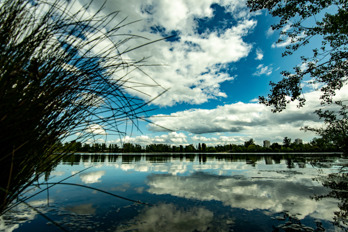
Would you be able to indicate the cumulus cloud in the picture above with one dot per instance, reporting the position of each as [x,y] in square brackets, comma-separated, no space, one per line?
[238,117]
[259,54]
[95,129]
[174,138]
[263,70]
[189,81]
[193,82]
[219,140]
[247,120]
[240,121]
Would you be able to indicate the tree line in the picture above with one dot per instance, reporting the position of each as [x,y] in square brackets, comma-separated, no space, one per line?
[316,145]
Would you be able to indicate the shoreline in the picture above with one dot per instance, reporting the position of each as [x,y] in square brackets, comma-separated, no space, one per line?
[211,153]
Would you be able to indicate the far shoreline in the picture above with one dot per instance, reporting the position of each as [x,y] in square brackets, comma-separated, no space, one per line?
[209,153]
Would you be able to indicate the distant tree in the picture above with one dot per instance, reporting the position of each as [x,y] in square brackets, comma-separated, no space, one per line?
[174,149]
[323,144]
[158,148]
[238,148]
[204,147]
[327,66]
[252,148]
[181,149]
[86,147]
[266,149]
[286,149]
[219,148]
[190,148]
[275,147]
[137,148]
[297,147]
[249,142]
[128,147]
[336,130]
[114,148]
[103,147]
[286,142]
[97,147]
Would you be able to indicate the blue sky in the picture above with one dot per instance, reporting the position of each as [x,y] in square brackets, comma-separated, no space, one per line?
[222,58]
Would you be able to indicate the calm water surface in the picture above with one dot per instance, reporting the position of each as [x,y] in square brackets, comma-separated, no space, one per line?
[187,193]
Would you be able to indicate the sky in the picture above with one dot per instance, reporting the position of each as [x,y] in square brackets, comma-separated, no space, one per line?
[220,60]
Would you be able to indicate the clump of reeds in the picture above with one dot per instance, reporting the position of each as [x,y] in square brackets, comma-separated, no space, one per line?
[57,78]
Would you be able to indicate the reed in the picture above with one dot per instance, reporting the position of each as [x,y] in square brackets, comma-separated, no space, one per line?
[60,76]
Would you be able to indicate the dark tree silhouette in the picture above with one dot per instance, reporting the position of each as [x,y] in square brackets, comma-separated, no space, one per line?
[286,142]
[327,66]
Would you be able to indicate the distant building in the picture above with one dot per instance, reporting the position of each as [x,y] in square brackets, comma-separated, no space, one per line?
[298,141]
[266,143]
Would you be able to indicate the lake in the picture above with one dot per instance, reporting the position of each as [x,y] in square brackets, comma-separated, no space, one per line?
[186,192]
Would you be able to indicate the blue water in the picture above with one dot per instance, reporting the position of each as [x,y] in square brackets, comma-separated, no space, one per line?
[185,193]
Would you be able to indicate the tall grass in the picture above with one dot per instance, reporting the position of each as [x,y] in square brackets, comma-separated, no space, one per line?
[62,73]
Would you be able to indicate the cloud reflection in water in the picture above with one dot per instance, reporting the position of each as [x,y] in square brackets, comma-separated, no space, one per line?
[21,214]
[167,217]
[270,195]
[92,177]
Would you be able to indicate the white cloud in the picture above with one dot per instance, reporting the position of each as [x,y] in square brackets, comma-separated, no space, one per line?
[235,123]
[304,66]
[243,120]
[287,40]
[285,43]
[219,140]
[259,54]
[92,177]
[312,84]
[95,140]
[269,32]
[174,138]
[95,129]
[204,139]
[263,70]
[247,120]
[187,79]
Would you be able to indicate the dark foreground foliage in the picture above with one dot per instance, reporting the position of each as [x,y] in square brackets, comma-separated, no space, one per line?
[56,82]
